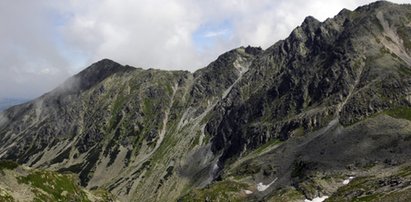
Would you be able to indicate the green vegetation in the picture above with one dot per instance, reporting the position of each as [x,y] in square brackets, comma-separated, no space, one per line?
[8,165]
[5,196]
[404,195]
[46,186]
[404,172]
[247,168]
[404,33]
[219,191]
[298,132]
[370,188]
[196,139]
[168,143]
[400,113]
[104,195]
[287,194]
[356,189]
[268,144]
[50,186]
[148,106]
[169,89]
[404,70]
[115,112]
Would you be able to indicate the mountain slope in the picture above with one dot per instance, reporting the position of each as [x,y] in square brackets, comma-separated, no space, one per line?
[349,74]
[19,183]
[287,123]
[111,123]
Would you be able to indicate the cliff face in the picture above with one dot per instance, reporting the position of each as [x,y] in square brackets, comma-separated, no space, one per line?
[331,100]
[346,68]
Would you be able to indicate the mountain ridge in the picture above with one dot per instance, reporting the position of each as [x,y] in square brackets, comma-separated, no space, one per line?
[252,116]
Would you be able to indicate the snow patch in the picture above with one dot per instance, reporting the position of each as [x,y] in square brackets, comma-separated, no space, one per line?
[248,192]
[348,180]
[262,187]
[215,168]
[316,199]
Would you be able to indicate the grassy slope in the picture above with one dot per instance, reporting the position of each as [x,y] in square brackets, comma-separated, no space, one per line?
[40,185]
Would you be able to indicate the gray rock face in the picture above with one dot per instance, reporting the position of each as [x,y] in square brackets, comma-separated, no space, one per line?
[344,83]
[341,68]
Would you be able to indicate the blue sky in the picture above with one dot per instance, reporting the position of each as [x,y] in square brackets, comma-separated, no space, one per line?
[45,41]
[207,35]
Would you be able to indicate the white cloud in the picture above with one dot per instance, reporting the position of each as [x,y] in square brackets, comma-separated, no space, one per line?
[216,33]
[142,33]
[159,33]
[28,47]
[44,41]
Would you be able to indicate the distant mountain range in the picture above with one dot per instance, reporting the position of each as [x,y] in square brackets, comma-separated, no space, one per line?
[322,114]
[9,102]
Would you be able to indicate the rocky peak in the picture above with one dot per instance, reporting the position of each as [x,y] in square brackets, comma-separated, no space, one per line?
[310,24]
[376,5]
[219,75]
[253,50]
[94,74]
[227,59]
[104,66]
[100,70]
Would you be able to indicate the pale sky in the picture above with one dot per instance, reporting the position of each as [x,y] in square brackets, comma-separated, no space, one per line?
[43,42]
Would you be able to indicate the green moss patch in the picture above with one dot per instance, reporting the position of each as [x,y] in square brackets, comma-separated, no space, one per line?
[50,186]
[5,196]
[287,194]
[268,144]
[219,191]
[369,188]
[400,113]
[8,165]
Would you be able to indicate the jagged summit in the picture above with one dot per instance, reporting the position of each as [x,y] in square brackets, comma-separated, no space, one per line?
[310,20]
[98,71]
[91,76]
[103,66]
[324,112]
[379,4]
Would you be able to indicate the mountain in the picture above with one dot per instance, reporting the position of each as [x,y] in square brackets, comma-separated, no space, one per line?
[323,113]
[9,102]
